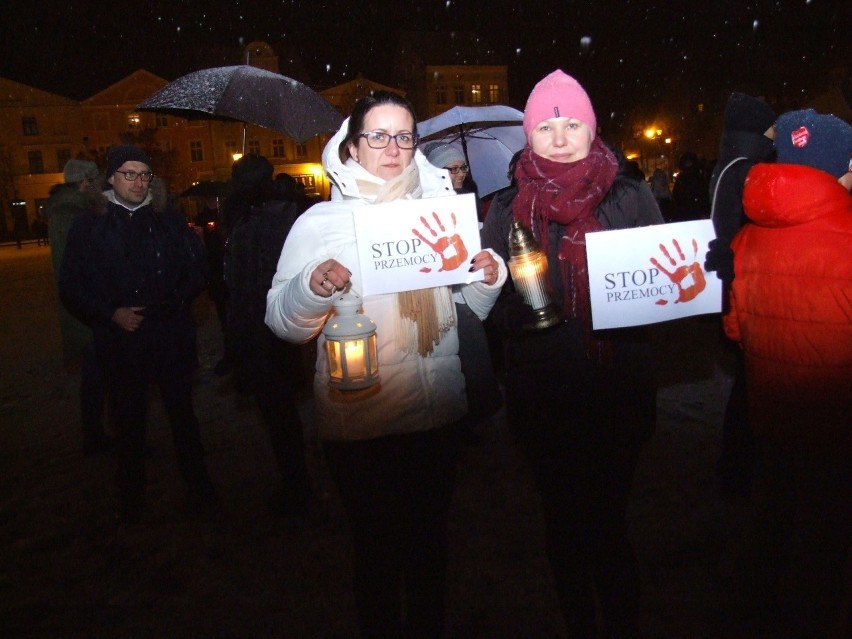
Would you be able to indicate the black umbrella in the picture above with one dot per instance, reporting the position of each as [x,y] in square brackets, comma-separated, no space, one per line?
[250,95]
[212,188]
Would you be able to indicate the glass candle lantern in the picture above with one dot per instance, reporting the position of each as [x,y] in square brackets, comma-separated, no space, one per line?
[528,266]
[350,346]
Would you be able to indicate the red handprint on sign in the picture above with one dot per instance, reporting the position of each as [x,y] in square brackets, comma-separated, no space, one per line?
[451,248]
[689,278]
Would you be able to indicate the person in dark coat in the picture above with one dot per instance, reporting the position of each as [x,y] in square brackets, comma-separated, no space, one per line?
[132,273]
[659,184]
[264,365]
[289,190]
[690,190]
[747,138]
[21,227]
[581,403]
[213,234]
[78,195]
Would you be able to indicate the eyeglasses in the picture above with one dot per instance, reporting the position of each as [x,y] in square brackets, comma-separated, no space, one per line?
[132,176]
[380,139]
[454,170]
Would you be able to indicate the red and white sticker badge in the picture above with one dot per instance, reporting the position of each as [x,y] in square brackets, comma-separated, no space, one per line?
[800,137]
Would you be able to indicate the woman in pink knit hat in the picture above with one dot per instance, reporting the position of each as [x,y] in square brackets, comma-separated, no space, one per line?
[581,402]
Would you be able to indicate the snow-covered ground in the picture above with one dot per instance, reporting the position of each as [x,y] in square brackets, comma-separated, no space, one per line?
[67,571]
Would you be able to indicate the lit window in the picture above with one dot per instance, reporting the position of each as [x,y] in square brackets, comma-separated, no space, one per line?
[196,151]
[308,181]
[475,93]
[133,121]
[253,146]
[494,93]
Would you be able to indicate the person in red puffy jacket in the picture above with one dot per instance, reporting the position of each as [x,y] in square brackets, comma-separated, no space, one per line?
[791,312]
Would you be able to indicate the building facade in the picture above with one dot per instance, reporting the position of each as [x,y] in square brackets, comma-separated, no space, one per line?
[438,71]
[40,131]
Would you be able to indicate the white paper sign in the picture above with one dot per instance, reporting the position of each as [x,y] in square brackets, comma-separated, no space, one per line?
[412,244]
[651,274]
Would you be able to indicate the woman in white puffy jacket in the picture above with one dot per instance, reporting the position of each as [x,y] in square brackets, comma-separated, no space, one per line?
[392,453]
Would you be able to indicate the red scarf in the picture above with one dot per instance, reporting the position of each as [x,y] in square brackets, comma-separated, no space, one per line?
[567,194]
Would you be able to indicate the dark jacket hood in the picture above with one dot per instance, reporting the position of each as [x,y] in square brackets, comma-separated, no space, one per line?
[754,146]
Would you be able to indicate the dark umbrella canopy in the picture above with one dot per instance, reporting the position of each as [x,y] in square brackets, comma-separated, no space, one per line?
[247,94]
[212,188]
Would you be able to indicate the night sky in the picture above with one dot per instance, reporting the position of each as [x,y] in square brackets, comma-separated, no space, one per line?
[629,55]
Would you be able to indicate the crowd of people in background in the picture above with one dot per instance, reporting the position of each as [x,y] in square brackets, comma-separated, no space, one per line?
[580,403]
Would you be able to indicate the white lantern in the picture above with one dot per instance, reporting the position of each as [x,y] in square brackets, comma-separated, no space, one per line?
[350,346]
[528,266]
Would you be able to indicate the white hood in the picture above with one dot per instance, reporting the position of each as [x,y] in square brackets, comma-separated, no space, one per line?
[435,182]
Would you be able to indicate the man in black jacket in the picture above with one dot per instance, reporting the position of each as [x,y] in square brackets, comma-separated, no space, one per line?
[131,273]
[747,139]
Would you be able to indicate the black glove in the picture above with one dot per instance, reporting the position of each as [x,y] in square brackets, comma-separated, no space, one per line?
[720,258]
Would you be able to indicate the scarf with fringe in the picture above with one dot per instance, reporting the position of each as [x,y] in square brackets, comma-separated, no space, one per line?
[567,194]
[424,315]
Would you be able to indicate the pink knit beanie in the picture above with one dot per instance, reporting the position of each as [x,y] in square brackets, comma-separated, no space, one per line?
[558,95]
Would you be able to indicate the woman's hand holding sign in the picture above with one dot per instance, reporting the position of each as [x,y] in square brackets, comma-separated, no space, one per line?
[484,261]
